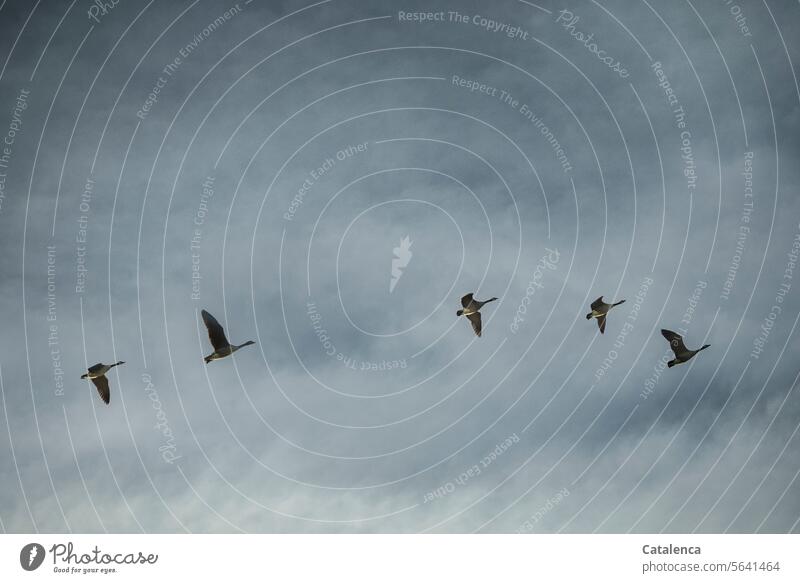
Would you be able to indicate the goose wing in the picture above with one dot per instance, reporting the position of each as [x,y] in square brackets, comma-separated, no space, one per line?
[102,388]
[675,341]
[601,322]
[466,300]
[96,368]
[215,332]
[475,319]
[598,303]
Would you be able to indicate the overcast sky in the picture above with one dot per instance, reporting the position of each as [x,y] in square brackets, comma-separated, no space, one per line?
[264,160]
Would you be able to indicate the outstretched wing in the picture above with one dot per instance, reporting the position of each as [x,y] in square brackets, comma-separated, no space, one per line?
[475,319]
[96,368]
[675,341]
[598,303]
[601,322]
[102,388]
[215,332]
[466,300]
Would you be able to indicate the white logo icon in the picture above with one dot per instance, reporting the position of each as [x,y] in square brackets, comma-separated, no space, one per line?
[401,259]
[31,556]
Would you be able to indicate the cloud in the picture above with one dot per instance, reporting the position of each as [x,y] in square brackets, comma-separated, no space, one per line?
[361,410]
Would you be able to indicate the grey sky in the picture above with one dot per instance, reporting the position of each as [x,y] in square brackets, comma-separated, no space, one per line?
[361,410]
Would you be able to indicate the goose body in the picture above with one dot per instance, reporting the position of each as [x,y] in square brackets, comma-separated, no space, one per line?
[97,374]
[682,354]
[216,334]
[600,310]
[471,309]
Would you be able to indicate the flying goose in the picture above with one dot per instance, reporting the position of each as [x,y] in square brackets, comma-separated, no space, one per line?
[599,311]
[97,374]
[682,354]
[471,307]
[216,334]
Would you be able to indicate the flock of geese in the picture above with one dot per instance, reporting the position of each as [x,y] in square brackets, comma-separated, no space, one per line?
[599,312]
[470,309]
[216,334]
[682,354]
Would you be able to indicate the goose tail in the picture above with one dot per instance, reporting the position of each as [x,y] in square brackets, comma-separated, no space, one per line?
[460,312]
